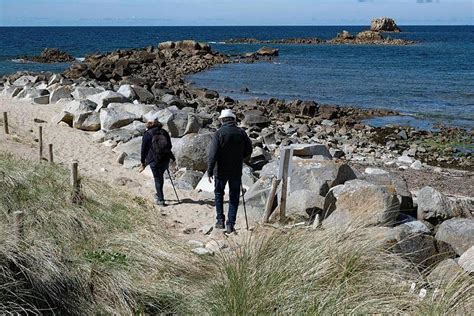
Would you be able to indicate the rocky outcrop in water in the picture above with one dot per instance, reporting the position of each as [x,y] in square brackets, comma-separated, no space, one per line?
[384,25]
[49,56]
[368,38]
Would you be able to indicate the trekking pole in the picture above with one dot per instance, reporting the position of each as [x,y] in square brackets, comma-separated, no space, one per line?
[169,175]
[245,208]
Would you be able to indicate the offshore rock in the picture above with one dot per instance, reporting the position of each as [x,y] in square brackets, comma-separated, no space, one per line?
[49,56]
[384,25]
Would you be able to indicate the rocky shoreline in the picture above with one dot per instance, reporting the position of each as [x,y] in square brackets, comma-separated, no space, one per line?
[112,95]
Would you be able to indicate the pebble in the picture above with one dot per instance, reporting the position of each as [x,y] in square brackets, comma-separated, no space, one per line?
[203,251]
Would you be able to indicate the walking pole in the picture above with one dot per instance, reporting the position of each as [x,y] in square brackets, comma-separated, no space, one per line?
[169,175]
[245,208]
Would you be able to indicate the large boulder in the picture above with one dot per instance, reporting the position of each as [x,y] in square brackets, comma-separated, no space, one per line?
[310,150]
[83,92]
[60,93]
[143,95]
[140,110]
[112,119]
[193,124]
[268,51]
[191,151]
[445,273]
[32,93]
[433,205]
[79,106]
[413,241]
[87,121]
[255,118]
[360,202]
[103,99]
[384,25]
[256,198]
[24,80]
[188,179]
[306,108]
[127,91]
[132,147]
[383,178]
[458,233]
[63,116]
[466,261]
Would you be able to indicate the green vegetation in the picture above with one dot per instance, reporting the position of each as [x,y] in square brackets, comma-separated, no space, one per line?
[110,255]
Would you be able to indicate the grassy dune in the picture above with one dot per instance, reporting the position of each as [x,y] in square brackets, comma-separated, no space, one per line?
[111,255]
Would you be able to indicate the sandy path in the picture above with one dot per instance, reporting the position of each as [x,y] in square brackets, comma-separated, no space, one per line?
[99,162]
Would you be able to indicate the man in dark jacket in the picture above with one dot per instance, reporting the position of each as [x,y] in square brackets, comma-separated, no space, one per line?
[158,168]
[230,146]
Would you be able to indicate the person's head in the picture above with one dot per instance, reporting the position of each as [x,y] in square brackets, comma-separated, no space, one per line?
[152,124]
[227,116]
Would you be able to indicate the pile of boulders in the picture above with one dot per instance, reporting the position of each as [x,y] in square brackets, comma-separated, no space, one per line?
[50,56]
[154,67]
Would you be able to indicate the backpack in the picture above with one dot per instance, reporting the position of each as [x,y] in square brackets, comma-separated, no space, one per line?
[160,146]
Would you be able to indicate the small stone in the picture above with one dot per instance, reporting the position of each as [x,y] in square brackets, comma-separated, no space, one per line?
[189,230]
[121,157]
[206,229]
[416,165]
[195,243]
[203,251]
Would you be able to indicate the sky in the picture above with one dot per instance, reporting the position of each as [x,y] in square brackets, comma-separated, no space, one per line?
[231,12]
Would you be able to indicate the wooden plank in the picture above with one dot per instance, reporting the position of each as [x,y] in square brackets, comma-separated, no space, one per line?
[285,159]
[271,198]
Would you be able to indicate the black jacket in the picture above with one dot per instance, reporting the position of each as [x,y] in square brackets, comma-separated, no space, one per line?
[146,154]
[230,146]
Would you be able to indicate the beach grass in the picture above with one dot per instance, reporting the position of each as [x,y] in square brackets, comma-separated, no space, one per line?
[108,255]
[111,255]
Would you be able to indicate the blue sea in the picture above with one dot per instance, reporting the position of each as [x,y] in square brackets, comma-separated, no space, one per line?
[431,81]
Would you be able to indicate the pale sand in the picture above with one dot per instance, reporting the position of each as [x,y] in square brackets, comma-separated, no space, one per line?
[72,144]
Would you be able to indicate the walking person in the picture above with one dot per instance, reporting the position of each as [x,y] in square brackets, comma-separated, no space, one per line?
[156,152]
[230,146]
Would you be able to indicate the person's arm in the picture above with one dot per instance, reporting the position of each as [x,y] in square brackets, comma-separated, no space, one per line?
[212,157]
[146,144]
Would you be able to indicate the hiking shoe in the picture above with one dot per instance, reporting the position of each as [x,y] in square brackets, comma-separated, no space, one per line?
[230,230]
[220,225]
[161,203]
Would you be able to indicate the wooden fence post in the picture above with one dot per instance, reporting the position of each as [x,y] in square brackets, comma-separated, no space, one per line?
[285,159]
[75,182]
[40,140]
[51,160]
[5,123]
[271,198]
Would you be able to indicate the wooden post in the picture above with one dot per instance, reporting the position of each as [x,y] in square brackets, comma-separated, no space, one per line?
[18,217]
[271,198]
[40,140]
[75,182]
[285,159]
[5,123]
[51,160]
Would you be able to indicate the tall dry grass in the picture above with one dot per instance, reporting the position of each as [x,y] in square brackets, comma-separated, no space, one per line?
[110,255]
[107,255]
[327,272]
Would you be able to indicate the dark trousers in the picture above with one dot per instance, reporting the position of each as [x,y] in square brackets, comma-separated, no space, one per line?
[234,197]
[158,172]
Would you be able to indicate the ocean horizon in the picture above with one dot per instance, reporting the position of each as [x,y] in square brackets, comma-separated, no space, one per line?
[431,81]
